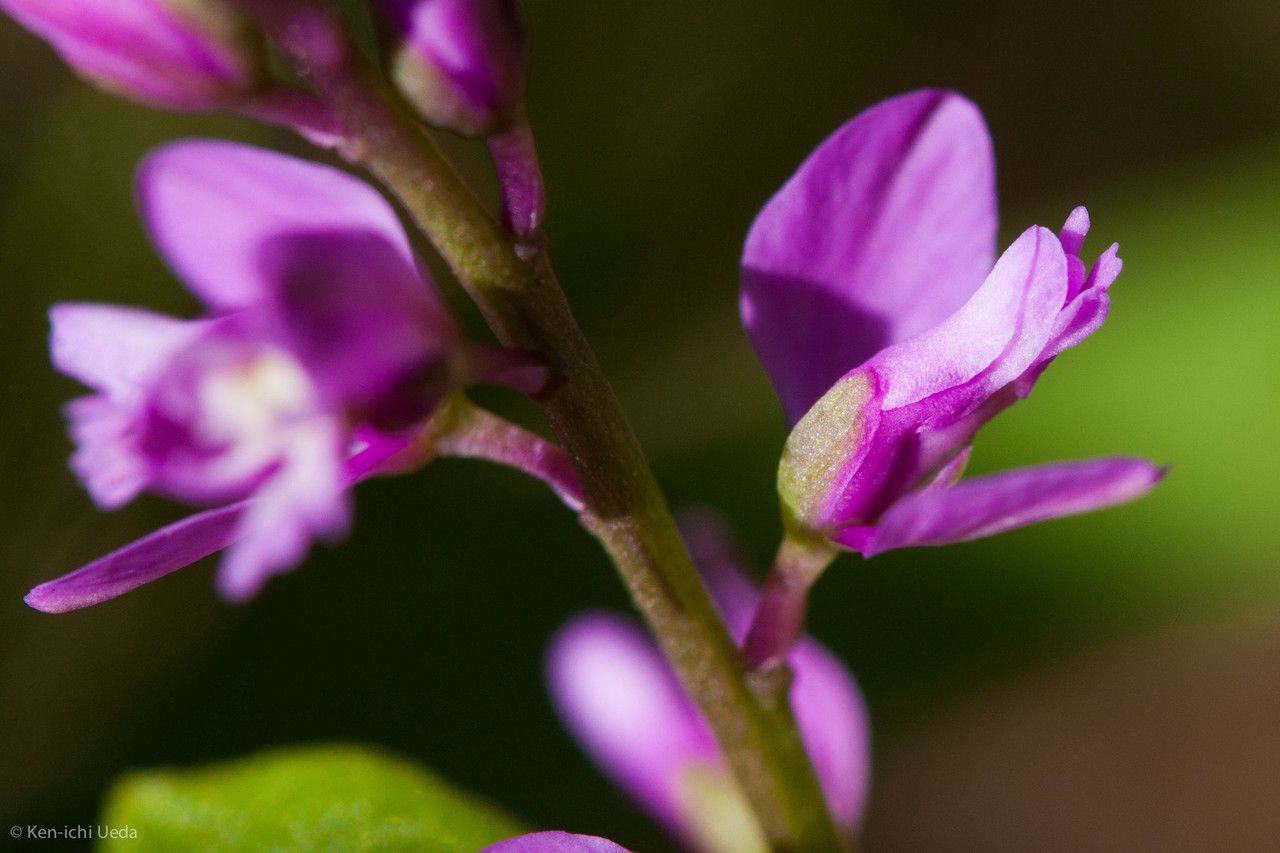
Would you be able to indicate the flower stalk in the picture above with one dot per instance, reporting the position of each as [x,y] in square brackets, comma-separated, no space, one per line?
[523,197]
[298,111]
[780,616]
[470,432]
[625,508]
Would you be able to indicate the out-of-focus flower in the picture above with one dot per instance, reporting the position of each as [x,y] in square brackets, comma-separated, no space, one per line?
[169,53]
[322,344]
[621,700]
[554,842]
[461,63]
[872,295]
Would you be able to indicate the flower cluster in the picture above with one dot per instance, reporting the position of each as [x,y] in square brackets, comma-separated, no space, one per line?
[871,291]
[324,344]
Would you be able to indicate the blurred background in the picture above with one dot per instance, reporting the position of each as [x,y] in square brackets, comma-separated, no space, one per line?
[1110,682]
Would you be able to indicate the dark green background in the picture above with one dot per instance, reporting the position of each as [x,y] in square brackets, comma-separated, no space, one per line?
[1105,682]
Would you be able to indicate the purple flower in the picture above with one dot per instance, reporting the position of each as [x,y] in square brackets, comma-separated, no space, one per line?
[169,53]
[621,700]
[460,62]
[873,297]
[322,343]
[554,842]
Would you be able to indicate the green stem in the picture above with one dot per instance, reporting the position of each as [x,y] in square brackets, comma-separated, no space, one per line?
[625,509]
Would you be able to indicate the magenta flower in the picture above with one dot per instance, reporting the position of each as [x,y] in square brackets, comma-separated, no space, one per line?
[554,842]
[873,297]
[169,53]
[323,342]
[461,62]
[621,700]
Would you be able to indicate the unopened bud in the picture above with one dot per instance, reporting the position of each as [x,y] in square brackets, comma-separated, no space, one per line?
[461,63]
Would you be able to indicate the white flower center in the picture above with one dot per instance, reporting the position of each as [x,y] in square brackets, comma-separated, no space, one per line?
[251,409]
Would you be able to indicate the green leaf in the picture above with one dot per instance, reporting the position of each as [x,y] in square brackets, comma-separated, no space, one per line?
[331,797]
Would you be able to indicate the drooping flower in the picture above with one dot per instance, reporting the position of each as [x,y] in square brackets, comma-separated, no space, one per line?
[621,700]
[168,53]
[461,63]
[873,297]
[323,342]
[555,842]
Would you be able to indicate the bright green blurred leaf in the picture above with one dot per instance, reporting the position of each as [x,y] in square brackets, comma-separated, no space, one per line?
[337,797]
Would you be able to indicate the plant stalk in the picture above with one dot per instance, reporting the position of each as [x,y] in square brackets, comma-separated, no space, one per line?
[625,509]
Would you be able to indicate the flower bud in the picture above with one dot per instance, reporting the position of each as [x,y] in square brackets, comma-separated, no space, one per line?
[179,54]
[461,63]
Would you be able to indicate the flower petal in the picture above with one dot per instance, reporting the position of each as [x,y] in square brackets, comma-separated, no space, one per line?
[1074,230]
[833,723]
[1080,319]
[985,506]
[555,842]
[621,701]
[1072,235]
[106,459]
[118,351]
[182,543]
[154,556]
[303,501]
[142,49]
[375,453]
[113,348]
[988,342]
[887,229]
[1106,269]
[715,553]
[210,207]
[358,317]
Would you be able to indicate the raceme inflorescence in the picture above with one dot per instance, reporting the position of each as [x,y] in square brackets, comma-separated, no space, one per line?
[323,356]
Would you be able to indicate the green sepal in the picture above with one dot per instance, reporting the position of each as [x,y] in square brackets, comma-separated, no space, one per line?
[820,451]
